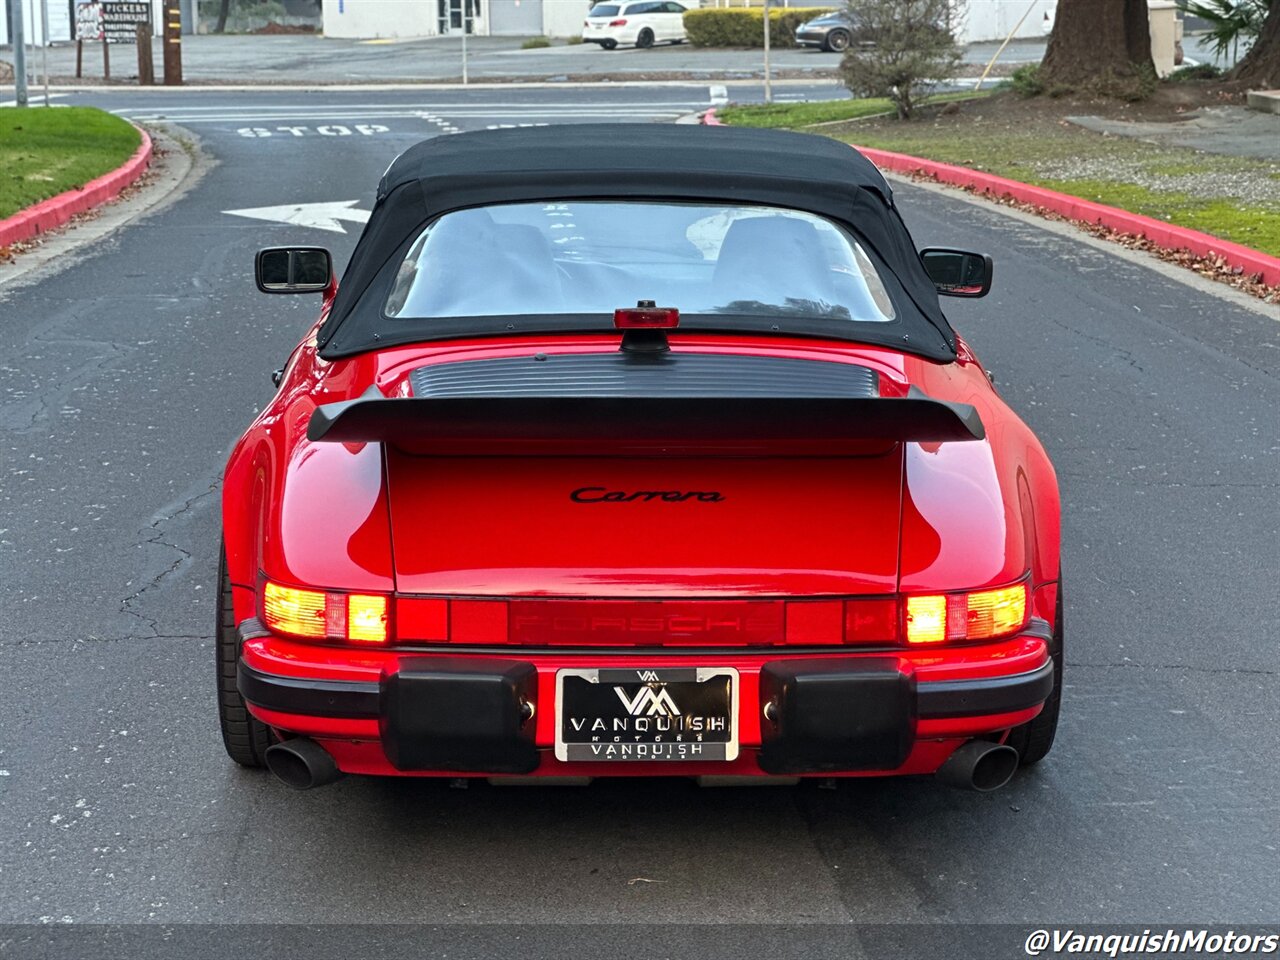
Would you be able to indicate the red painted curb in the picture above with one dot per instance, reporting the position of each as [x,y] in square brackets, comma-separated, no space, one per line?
[1162,234]
[52,213]
[1165,235]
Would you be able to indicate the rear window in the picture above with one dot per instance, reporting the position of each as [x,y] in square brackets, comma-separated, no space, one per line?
[591,257]
[604,10]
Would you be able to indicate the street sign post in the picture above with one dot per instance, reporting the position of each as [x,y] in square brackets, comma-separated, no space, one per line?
[44,47]
[465,10]
[768,76]
[19,42]
[146,64]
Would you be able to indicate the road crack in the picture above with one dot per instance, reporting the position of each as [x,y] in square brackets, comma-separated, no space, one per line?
[157,537]
[28,413]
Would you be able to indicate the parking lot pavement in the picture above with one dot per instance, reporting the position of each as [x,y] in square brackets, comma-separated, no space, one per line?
[322,60]
[312,59]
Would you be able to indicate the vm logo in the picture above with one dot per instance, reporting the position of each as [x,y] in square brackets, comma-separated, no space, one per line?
[648,702]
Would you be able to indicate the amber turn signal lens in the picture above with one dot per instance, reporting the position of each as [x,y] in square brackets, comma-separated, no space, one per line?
[366,618]
[997,613]
[300,613]
[926,619]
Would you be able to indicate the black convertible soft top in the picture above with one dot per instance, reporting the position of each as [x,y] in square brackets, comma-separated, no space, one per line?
[631,162]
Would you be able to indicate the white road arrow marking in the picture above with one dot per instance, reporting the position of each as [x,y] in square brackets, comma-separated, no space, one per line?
[319,216]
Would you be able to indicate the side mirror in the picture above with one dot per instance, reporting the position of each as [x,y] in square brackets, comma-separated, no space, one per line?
[293,269]
[958,273]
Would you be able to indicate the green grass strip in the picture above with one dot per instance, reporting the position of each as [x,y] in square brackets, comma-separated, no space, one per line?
[45,151]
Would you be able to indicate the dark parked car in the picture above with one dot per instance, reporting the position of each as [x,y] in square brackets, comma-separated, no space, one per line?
[831,31]
[836,31]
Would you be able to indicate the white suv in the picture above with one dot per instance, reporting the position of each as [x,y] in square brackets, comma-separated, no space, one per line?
[643,23]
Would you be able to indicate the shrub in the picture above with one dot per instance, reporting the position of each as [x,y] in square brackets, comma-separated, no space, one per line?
[574,40]
[1229,21]
[1201,71]
[914,50]
[1026,81]
[744,26]
[534,43]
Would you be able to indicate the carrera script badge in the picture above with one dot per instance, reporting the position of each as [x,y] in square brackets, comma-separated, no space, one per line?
[605,495]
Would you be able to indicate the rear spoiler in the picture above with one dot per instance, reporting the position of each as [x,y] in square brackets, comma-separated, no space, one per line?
[443,424]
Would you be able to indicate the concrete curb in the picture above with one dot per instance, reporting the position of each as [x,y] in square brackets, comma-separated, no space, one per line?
[52,213]
[1165,235]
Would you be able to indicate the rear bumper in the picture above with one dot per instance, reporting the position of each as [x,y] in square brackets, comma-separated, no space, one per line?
[852,713]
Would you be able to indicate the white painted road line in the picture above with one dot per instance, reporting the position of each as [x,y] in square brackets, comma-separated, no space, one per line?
[435,107]
[35,98]
[604,114]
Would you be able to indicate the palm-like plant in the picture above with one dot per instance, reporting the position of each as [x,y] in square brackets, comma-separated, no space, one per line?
[1229,20]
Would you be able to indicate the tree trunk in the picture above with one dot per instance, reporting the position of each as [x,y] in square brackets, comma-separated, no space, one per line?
[1260,68]
[223,10]
[1092,38]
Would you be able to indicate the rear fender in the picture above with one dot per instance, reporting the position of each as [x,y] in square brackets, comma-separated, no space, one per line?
[980,514]
[304,514]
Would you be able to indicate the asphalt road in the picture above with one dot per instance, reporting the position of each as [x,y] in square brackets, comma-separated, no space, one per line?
[125,376]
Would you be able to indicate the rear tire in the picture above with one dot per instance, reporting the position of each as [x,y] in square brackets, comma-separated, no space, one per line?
[838,40]
[609,44]
[245,737]
[1034,739]
[645,40]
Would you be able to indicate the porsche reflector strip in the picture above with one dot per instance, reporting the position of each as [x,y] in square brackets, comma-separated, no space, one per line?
[579,623]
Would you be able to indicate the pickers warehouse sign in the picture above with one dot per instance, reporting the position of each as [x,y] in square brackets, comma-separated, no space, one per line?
[115,21]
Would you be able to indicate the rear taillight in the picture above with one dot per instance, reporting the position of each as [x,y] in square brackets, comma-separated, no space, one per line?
[366,618]
[617,23]
[981,615]
[325,615]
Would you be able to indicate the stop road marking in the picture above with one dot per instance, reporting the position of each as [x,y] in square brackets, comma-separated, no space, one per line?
[330,130]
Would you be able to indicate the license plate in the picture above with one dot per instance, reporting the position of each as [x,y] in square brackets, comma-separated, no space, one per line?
[668,713]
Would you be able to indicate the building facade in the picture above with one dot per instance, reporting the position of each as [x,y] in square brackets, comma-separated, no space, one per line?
[977,20]
[375,19]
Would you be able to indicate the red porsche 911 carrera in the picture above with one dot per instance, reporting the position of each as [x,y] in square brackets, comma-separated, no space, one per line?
[637,451]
